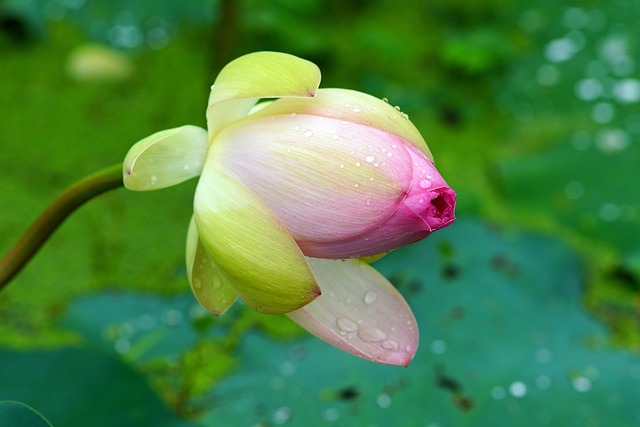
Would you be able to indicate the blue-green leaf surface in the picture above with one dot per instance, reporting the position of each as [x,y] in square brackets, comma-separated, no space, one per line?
[18,414]
[504,341]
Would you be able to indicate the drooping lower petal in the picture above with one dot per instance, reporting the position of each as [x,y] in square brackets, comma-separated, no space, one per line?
[209,283]
[165,158]
[245,80]
[360,312]
[256,252]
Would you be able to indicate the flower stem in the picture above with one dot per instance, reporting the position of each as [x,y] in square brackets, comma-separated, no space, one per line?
[38,233]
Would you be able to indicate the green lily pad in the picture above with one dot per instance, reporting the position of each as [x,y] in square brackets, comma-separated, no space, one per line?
[18,414]
[77,387]
[141,327]
[504,341]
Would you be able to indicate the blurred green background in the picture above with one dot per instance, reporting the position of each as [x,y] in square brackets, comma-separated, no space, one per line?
[529,305]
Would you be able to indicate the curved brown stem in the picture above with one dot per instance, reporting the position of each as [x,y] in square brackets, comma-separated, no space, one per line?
[42,228]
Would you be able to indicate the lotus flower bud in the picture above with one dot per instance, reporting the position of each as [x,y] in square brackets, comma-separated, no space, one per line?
[288,189]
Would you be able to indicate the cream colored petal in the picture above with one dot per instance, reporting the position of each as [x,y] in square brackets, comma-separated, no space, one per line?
[165,158]
[208,281]
[249,243]
[360,312]
[242,82]
[353,107]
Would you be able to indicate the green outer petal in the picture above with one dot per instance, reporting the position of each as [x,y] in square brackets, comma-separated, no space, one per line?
[360,312]
[257,253]
[352,106]
[209,283]
[243,81]
[165,158]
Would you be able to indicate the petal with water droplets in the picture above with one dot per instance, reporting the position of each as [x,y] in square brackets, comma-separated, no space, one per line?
[325,180]
[165,158]
[249,243]
[209,283]
[258,75]
[353,107]
[360,312]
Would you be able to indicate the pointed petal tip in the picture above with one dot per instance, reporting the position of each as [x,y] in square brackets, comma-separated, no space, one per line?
[360,313]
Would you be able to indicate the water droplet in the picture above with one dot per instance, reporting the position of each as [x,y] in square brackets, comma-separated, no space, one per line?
[122,345]
[390,345]
[154,180]
[602,113]
[397,108]
[421,200]
[560,50]
[424,183]
[438,347]
[392,116]
[588,89]
[369,159]
[186,167]
[369,334]
[518,389]
[389,154]
[335,136]
[330,414]
[574,190]
[575,18]
[371,296]
[356,185]
[384,400]
[173,317]
[287,368]
[612,140]
[282,415]
[356,108]
[404,116]
[358,164]
[547,75]
[627,91]
[385,100]
[293,114]
[197,283]
[498,393]
[609,212]
[341,165]
[347,325]
[394,146]
[581,384]
[543,382]
[542,355]
[308,133]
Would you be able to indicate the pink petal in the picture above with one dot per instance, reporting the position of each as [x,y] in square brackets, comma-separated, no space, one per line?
[360,312]
[428,206]
[354,107]
[325,179]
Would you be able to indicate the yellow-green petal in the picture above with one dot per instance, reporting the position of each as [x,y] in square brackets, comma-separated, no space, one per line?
[208,281]
[354,107]
[245,80]
[258,254]
[165,158]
